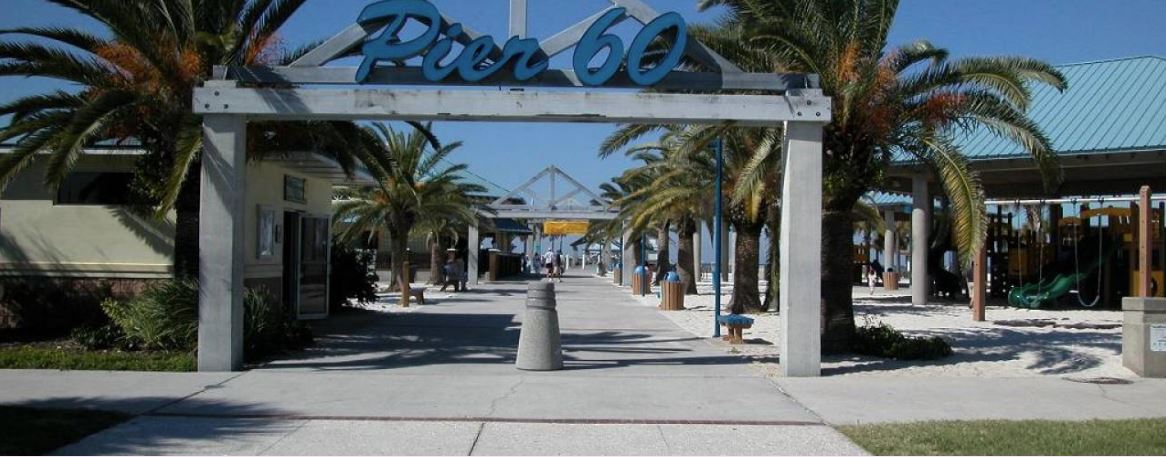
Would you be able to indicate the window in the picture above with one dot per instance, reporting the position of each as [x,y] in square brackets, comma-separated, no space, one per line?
[265,241]
[294,189]
[95,188]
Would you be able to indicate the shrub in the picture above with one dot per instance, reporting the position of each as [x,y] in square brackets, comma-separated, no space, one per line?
[164,317]
[107,336]
[351,278]
[267,329]
[882,340]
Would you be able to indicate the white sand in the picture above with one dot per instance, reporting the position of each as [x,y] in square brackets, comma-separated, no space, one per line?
[981,348]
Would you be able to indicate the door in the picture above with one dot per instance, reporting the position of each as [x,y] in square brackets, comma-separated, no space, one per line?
[313,277]
[291,263]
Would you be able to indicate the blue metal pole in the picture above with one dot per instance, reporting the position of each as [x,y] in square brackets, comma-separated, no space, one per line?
[717,241]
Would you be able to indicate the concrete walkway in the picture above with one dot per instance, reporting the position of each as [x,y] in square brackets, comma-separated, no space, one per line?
[440,380]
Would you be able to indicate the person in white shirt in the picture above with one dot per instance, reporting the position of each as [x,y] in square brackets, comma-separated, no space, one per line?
[549,261]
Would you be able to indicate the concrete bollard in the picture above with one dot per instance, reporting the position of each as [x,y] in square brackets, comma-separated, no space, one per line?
[1143,342]
[539,345]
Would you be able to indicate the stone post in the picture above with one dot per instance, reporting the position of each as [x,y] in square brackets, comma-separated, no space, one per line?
[539,345]
[472,245]
[801,252]
[220,240]
[696,248]
[1143,336]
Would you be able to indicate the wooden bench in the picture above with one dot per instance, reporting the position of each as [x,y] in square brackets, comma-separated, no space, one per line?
[735,325]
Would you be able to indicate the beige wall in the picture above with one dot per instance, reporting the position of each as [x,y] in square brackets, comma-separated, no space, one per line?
[265,187]
[40,237]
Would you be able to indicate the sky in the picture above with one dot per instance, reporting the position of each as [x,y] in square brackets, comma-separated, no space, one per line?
[1058,31]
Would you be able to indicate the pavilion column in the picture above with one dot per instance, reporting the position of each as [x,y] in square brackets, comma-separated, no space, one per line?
[696,246]
[890,242]
[627,259]
[731,246]
[920,204]
[220,243]
[801,251]
[472,245]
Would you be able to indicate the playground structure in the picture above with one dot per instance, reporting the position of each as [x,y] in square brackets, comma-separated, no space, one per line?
[1088,260]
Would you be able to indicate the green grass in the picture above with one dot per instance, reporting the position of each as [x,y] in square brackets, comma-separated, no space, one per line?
[31,431]
[73,358]
[1098,437]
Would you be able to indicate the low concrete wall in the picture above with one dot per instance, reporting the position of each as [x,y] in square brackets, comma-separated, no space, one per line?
[1143,341]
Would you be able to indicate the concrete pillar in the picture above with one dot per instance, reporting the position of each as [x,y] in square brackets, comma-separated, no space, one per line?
[220,243]
[627,258]
[696,247]
[920,204]
[472,245]
[890,242]
[1143,345]
[731,246]
[801,251]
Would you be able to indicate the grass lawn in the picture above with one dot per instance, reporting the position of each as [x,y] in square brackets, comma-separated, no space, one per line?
[64,357]
[995,437]
[30,431]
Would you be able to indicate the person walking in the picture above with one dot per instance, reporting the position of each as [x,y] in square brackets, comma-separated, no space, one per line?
[872,279]
[549,261]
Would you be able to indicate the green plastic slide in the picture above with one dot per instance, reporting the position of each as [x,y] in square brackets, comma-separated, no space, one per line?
[1036,295]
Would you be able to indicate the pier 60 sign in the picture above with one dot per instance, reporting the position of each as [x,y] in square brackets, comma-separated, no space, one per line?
[522,56]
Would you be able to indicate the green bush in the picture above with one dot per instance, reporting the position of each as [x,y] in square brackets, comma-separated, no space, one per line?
[51,307]
[164,317]
[350,277]
[882,340]
[108,336]
[267,329]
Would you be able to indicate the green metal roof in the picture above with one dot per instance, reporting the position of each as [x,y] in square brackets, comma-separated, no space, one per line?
[1110,106]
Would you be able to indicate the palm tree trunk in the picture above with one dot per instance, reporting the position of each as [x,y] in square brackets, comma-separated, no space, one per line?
[186,209]
[837,260]
[662,261]
[746,292]
[400,243]
[436,273]
[685,228]
[773,273]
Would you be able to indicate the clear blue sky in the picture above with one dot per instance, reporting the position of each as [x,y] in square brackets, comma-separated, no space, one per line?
[1059,31]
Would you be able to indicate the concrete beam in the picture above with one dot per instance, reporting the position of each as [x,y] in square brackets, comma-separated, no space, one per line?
[920,226]
[220,241]
[801,251]
[511,106]
[890,242]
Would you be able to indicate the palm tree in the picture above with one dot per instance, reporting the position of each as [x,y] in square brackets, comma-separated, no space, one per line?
[909,100]
[414,190]
[136,86]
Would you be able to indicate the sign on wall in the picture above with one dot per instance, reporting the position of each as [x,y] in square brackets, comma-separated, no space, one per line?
[294,189]
[523,57]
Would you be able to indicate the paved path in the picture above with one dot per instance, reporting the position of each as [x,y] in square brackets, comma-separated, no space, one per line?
[441,380]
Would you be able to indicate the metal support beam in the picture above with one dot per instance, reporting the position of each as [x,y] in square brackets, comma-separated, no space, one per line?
[220,241]
[473,243]
[920,226]
[518,18]
[492,105]
[801,251]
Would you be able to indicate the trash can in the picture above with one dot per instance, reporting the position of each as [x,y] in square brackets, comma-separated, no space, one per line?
[672,293]
[617,275]
[640,284]
[890,281]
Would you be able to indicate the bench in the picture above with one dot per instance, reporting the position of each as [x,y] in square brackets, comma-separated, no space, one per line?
[735,324]
[418,293]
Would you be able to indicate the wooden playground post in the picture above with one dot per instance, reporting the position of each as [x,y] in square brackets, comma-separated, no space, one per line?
[979,284]
[1145,225]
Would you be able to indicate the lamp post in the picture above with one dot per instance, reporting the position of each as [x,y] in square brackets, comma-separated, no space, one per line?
[717,241]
